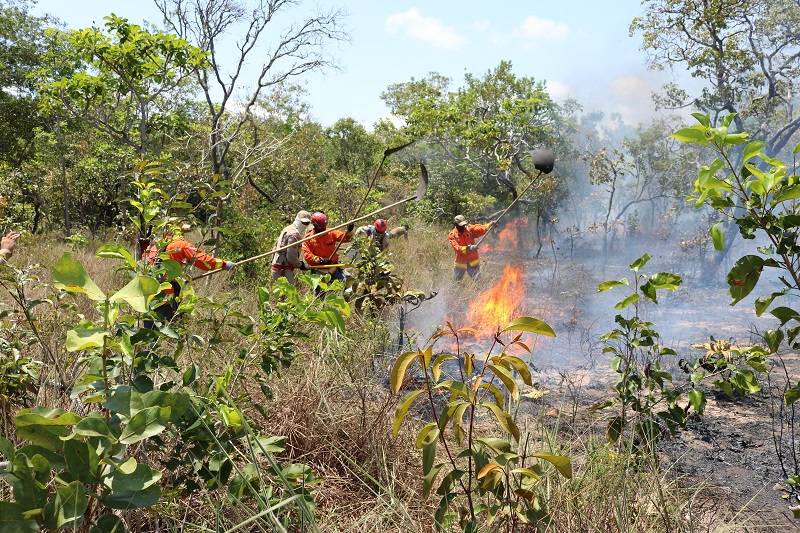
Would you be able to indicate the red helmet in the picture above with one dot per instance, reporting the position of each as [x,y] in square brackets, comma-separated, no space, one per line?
[380,225]
[319,220]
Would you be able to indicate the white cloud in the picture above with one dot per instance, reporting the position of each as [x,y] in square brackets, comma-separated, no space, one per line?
[413,24]
[481,25]
[559,90]
[535,28]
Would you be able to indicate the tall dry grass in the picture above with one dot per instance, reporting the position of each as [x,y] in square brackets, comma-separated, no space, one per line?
[335,409]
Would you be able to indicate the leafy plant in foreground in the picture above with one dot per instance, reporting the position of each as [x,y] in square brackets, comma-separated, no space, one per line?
[759,193]
[485,478]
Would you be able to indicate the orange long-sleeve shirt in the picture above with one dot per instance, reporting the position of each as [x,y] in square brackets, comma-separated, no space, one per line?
[459,240]
[185,253]
[323,247]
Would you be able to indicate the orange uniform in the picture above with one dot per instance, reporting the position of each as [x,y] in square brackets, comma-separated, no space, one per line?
[323,247]
[185,253]
[459,240]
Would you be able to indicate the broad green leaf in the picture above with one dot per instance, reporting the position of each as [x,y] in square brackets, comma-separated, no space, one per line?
[718,237]
[630,299]
[398,372]
[137,293]
[508,380]
[785,314]
[145,424]
[666,281]
[562,463]
[640,262]
[614,429]
[752,149]
[85,338]
[429,479]
[429,431]
[773,338]
[762,303]
[607,285]
[82,461]
[496,444]
[44,427]
[137,489]
[436,368]
[526,472]
[402,409]
[793,394]
[520,366]
[116,251]
[70,276]
[743,277]
[789,193]
[70,504]
[499,398]
[695,134]
[703,119]
[189,375]
[504,419]
[13,520]
[697,399]
[530,324]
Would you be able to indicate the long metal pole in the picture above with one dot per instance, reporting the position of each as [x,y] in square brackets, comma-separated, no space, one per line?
[507,209]
[314,236]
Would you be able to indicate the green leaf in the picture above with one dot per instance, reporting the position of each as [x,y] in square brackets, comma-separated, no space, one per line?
[436,368]
[607,285]
[639,263]
[530,324]
[665,281]
[503,418]
[108,523]
[116,251]
[789,193]
[398,372]
[44,427]
[693,135]
[429,431]
[622,304]
[70,276]
[773,338]
[752,149]
[508,380]
[13,520]
[785,314]
[796,150]
[85,338]
[82,461]
[70,504]
[703,119]
[562,463]
[145,424]
[763,302]
[137,489]
[189,375]
[137,293]
[402,409]
[718,237]
[743,277]
[697,399]
[793,394]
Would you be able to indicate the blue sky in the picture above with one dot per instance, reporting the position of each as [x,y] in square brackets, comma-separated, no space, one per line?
[581,48]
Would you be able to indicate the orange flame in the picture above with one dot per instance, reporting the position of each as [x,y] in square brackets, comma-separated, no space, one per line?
[508,237]
[496,306]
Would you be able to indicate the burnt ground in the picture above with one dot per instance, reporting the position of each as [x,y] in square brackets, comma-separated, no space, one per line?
[729,452]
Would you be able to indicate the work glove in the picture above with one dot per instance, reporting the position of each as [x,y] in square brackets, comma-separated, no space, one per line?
[325,261]
[228,265]
[350,227]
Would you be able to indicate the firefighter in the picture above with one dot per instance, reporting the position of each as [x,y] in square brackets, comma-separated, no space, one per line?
[462,239]
[7,245]
[287,261]
[377,231]
[180,250]
[321,250]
